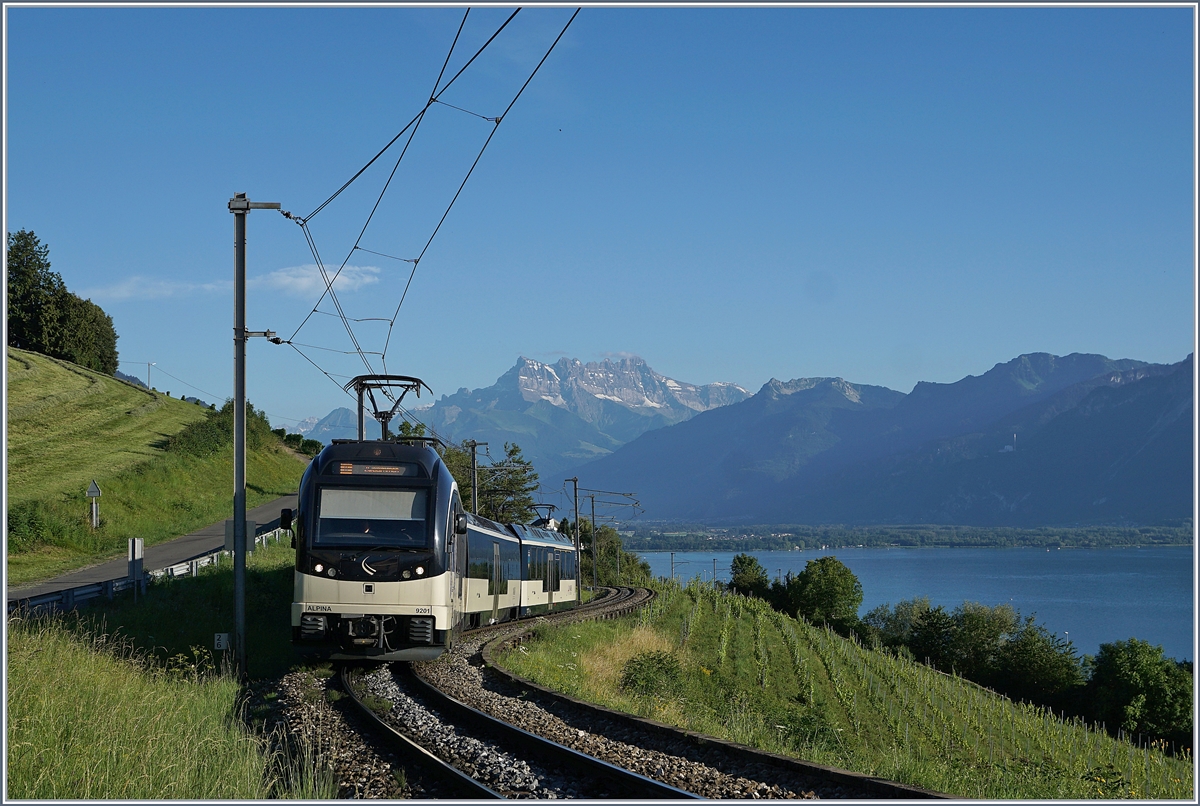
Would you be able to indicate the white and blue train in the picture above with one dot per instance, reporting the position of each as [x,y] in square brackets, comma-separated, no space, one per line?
[389,564]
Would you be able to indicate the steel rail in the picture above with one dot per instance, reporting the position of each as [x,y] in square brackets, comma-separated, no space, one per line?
[632,784]
[468,787]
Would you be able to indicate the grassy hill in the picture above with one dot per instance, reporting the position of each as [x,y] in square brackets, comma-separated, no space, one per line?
[736,669]
[68,425]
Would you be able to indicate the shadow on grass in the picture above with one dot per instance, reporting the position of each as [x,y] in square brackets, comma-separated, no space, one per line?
[181,616]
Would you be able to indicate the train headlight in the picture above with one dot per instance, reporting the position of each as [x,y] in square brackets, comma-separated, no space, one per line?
[331,572]
[406,573]
[318,568]
[420,570]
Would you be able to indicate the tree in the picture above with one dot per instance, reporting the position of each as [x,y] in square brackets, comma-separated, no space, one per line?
[1036,665]
[608,545]
[894,626]
[45,317]
[1136,689]
[33,293]
[506,488]
[830,593]
[748,577]
[979,634]
[931,638]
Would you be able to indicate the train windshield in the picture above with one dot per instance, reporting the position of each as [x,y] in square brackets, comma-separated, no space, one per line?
[372,517]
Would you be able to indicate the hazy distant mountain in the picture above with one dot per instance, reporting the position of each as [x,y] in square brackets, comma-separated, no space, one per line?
[305,426]
[133,379]
[341,423]
[568,412]
[1097,440]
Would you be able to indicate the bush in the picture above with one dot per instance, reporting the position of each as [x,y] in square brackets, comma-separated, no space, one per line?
[311,447]
[651,673]
[208,436]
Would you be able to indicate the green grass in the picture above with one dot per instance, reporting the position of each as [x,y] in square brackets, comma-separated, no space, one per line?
[88,717]
[759,678]
[154,627]
[125,701]
[68,425]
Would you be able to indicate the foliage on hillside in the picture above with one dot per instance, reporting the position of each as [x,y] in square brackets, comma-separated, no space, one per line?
[1129,687]
[297,442]
[758,677]
[215,432]
[43,316]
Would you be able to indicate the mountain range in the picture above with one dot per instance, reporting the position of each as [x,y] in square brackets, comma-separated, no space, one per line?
[560,414]
[1039,440]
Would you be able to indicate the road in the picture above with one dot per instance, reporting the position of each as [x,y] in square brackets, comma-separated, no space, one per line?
[161,555]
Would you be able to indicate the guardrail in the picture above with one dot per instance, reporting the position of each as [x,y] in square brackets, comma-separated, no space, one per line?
[70,598]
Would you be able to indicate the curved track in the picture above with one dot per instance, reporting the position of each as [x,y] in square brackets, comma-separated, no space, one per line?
[591,752]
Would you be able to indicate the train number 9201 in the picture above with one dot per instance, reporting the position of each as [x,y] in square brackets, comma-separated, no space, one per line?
[422,611]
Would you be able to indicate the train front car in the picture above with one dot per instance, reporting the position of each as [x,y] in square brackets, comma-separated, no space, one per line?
[376,527]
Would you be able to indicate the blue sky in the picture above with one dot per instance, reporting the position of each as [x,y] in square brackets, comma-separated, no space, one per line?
[886,195]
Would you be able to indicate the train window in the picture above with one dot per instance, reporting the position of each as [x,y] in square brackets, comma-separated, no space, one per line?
[372,518]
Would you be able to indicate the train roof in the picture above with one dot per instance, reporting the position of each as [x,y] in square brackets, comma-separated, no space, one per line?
[480,522]
[377,452]
[543,537]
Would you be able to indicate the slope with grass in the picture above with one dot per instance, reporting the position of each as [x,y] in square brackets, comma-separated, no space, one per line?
[752,675]
[68,425]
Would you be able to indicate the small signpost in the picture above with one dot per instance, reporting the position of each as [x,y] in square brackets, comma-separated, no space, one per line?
[93,493]
[229,541]
[136,552]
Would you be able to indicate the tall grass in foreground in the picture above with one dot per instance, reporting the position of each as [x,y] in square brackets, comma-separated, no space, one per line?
[91,717]
[756,677]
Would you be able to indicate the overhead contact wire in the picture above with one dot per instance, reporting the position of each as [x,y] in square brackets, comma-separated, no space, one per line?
[495,126]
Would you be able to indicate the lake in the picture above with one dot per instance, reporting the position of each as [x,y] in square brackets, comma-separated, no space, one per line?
[1090,596]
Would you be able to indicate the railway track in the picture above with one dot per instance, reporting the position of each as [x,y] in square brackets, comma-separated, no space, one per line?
[489,728]
[484,757]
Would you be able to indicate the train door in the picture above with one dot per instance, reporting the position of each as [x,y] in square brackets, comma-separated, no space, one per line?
[495,582]
[457,566]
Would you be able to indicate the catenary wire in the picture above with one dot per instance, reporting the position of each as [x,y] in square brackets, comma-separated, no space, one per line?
[414,124]
[495,127]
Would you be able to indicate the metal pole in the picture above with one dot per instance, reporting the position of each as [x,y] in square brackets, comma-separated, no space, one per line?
[578,556]
[362,417]
[474,480]
[239,205]
[714,572]
[239,434]
[672,565]
[594,584]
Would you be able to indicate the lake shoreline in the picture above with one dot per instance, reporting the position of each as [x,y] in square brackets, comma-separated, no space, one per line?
[1087,595]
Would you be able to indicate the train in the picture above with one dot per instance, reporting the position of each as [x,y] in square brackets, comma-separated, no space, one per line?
[390,566]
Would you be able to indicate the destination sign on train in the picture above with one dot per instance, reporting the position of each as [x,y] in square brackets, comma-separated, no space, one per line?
[365,469]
